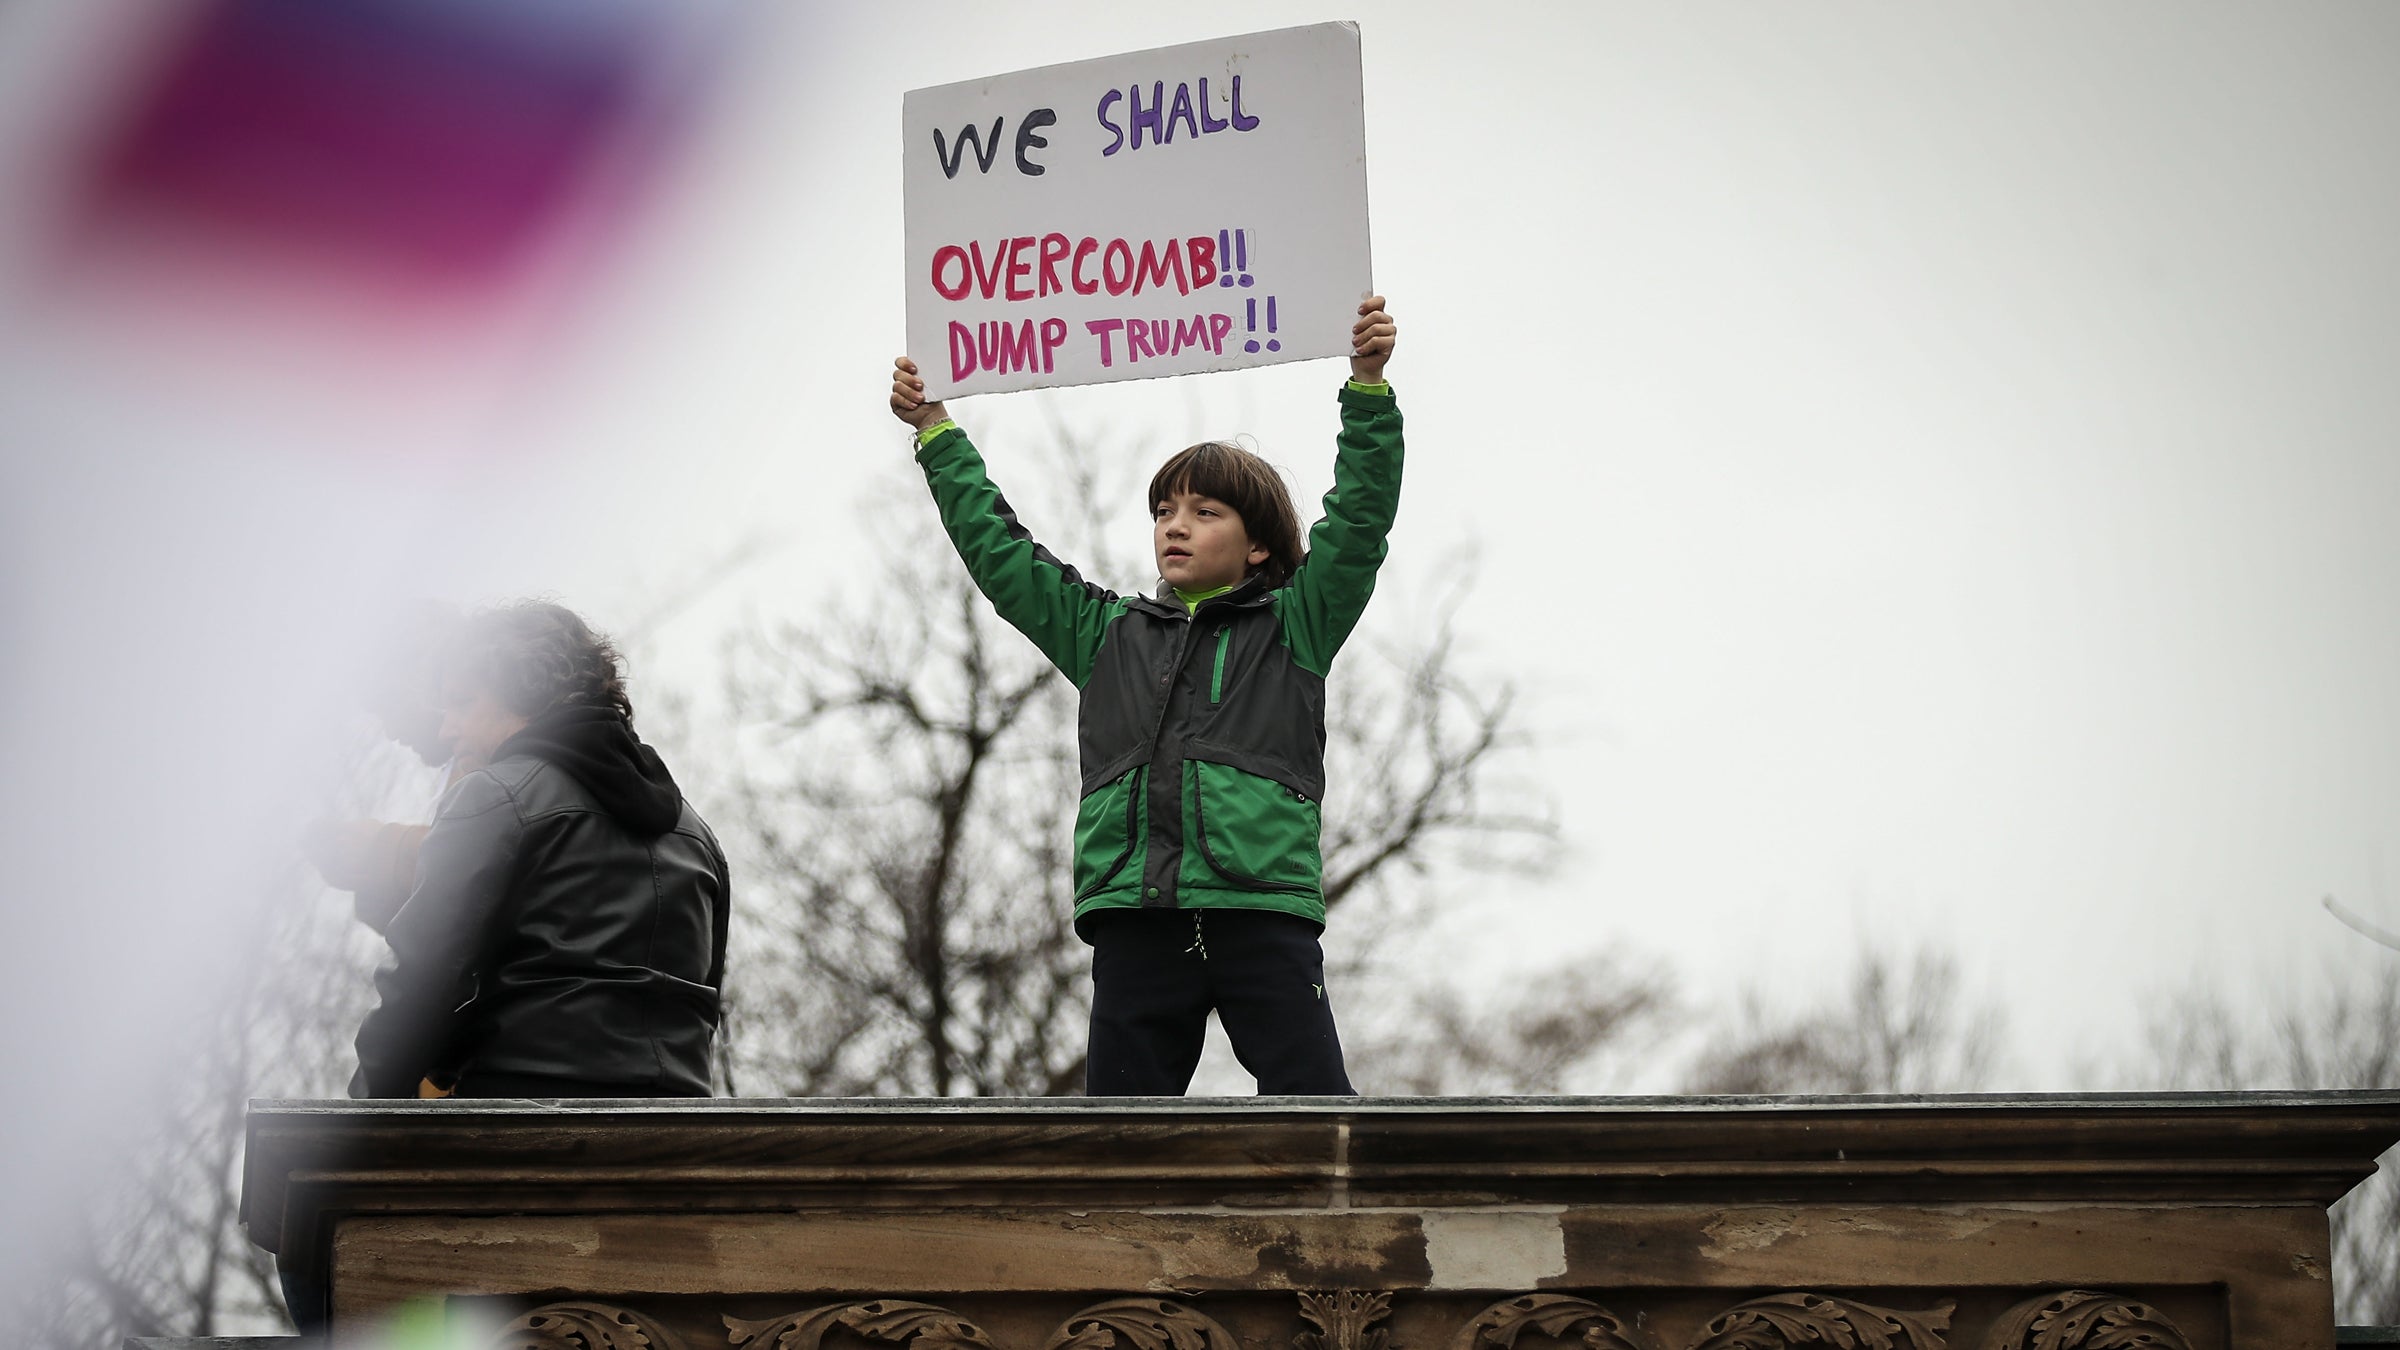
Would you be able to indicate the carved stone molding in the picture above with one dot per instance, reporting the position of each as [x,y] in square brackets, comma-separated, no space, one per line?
[1345,1320]
[885,1319]
[1140,1324]
[1115,1324]
[584,1326]
[1813,1319]
[1553,1315]
[2084,1319]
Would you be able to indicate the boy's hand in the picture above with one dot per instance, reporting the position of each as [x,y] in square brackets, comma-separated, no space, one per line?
[1371,340]
[909,403]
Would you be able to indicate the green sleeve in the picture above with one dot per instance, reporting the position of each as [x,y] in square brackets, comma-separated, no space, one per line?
[1041,597]
[1322,601]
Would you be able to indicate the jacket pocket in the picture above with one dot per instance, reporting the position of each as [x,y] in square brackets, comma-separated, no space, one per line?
[1253,832]
[1108,827]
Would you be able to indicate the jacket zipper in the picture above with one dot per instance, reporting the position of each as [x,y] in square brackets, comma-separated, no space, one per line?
[1150,780]
[1166,691]
[1216,682]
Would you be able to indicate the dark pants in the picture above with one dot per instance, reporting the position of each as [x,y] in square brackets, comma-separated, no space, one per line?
[1156,974]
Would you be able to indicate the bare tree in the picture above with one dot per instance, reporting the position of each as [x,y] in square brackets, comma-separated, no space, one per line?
[2357,923]
[2344,1034]
[160,1250]
[1898,1028]
[903,809]
[1551,1027]
[900,789]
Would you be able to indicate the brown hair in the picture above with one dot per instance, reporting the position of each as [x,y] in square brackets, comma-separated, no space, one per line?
[1249,485]
[534,656]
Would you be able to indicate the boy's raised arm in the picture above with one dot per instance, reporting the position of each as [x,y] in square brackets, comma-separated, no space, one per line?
[1038,595]
[1329,592]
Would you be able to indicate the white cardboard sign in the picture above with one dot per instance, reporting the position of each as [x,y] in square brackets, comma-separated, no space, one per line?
[1192,208]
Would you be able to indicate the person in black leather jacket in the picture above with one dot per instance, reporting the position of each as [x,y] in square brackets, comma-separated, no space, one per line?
[566,936]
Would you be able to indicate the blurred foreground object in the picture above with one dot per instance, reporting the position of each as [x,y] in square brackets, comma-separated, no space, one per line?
[378,173]
[375,859]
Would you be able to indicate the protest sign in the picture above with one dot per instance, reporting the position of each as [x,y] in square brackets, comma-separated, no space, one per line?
[1192,208]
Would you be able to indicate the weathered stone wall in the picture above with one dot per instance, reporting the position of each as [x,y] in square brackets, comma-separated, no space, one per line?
[1902,1223]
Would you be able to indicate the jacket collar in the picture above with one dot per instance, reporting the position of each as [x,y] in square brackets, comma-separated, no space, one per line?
[1164,602]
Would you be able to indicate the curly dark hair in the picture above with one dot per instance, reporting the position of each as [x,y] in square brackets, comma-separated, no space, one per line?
[534,656]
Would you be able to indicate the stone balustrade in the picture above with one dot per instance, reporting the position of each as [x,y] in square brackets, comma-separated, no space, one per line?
[1906,1223]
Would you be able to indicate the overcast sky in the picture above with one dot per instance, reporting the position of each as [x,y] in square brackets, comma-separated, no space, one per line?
[1932,471]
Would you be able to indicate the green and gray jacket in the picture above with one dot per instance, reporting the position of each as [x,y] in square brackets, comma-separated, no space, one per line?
[1202,733]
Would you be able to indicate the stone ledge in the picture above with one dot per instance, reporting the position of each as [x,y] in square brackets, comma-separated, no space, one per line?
[734,1154]
[2205,1211]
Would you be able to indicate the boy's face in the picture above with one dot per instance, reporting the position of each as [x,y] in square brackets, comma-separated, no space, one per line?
[1201,543]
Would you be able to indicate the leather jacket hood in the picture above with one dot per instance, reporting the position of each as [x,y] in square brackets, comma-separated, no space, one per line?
[554,932]
[597,747]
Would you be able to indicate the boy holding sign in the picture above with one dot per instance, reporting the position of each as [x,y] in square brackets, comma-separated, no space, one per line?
[1202,730]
